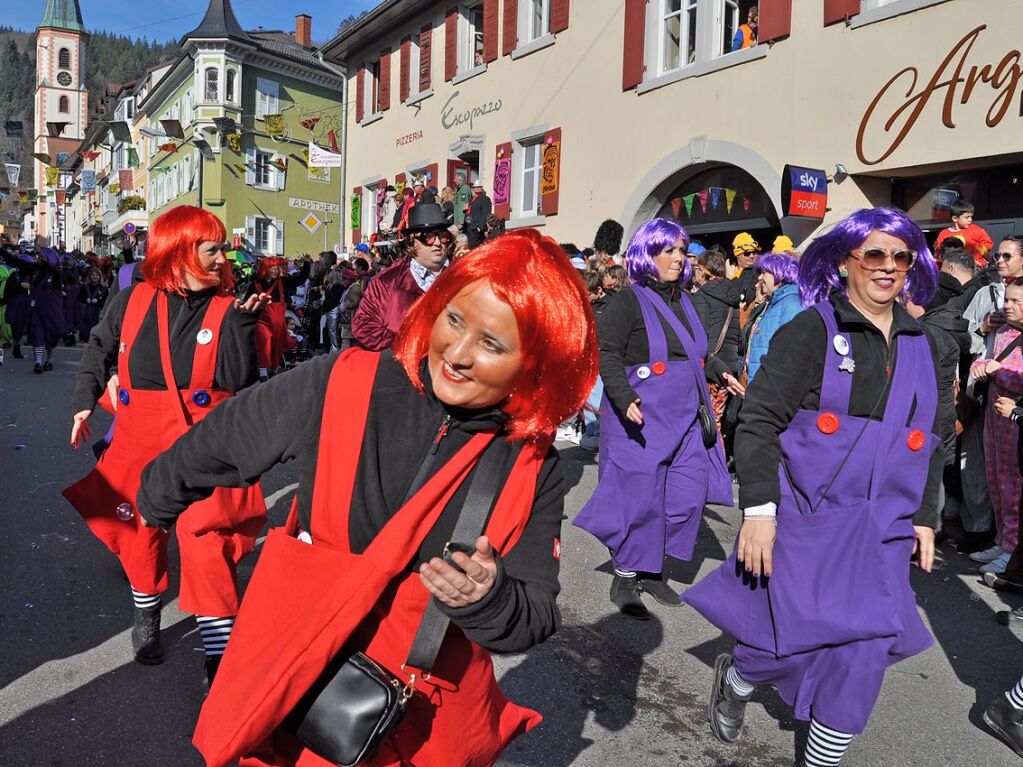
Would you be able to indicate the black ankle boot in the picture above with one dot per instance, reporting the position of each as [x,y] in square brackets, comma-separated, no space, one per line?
[727,710]
[1007,722]
[625,596]
[212,666]
[655,585]
[145,637]
[16,352]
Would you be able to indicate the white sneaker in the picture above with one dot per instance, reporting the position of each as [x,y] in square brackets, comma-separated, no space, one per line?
[987,555]
[567,433]
[997,565]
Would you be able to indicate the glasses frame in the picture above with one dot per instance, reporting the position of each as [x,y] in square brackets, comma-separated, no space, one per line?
[1005,257]
[859,254]
[427,238]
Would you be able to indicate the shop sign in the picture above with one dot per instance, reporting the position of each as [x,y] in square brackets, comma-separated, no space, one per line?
[323,207]
[450,118]
[409,138]
[960,80]
[804,192]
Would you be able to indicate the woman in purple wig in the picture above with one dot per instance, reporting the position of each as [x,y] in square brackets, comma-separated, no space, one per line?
[661,460]
[777,274]
[839,474]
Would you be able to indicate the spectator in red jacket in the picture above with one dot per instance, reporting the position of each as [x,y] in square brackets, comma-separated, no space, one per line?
[976,241]
[422,257]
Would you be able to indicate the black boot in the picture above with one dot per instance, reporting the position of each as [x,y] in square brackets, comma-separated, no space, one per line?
[145,637]
[655,585]
[625,596]
[37,368]
[973,542]
[47,366]
[727,710]
[16,352]
[212,665]
[1007,722]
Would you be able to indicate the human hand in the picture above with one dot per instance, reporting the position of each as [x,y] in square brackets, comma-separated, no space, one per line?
[730,270]
[254,303]
[734,385]
[992,321]
[992,367]
[756,544]
[925,545]
[634,414]
[1004,406]
[461,589]
[80,431]
[112,385]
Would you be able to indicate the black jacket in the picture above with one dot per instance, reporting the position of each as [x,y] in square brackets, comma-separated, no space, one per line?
[790,379]
[712,303]
[279,422]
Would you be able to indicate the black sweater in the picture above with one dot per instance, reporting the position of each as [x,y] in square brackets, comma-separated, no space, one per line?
[790,379]
[279,422]
[623,341]
[712,303]
[236,356]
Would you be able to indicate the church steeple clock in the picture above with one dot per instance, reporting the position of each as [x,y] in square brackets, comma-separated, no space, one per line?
[61,99]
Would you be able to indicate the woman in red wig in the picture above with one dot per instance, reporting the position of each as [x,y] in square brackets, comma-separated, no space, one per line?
[272,338]
[183,327]
[388,446]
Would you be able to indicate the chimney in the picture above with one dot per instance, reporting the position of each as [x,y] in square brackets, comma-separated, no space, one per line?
[304,30]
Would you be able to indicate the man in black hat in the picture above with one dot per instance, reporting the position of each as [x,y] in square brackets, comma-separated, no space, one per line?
[476,219]
[423,254]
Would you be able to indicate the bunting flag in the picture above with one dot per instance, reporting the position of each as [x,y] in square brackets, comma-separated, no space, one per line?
[278,162]
[61,196]
[88,180]
[13,173]
[162,169]
[309,123]
[44,158]
[133,158]
[234,141]
[240,167]
[92,155]
[688,199]
[33,195]
[125,177]
[114,189]
[170,146]
[22,196]
[702,195]
[274,125]
[332,136]
[676,206]
[729,199]
[746,201]
[715,196]
[52,176]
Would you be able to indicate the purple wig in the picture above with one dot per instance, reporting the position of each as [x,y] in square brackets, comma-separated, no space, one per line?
[654,236]
[783,267]
[818,268]
[51,256]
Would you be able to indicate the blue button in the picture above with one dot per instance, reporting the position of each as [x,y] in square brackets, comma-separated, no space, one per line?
[201,398]
[123,395]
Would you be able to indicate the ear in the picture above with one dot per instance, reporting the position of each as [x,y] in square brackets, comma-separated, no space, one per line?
[843,265]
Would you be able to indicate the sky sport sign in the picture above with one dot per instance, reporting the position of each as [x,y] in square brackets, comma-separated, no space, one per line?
[804,192]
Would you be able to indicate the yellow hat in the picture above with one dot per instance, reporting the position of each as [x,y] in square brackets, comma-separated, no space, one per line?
[744,243]
[783,244]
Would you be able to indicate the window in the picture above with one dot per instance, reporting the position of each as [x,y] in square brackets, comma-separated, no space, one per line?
[470,45]
[264,168]
[369,210]
[231,74]
[266,97]
[677,34]
[212,87]
[539,19]
[64,59]
[373,86]
[264,235]
[532,167]
[186,108]
[64,106]
[413,66]
[729,24]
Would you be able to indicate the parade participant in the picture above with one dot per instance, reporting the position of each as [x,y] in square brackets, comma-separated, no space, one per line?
[272,339]
[17,299]
[661,460]
[405,211]
[478,210]
[71,282]
[46,309]
[92,295]
[421,258]
[606,243]
[498,353]
[182,325]
[1004,715]
[838,481]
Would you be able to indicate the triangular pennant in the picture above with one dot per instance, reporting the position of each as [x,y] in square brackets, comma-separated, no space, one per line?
[729,199]
[44,158]
[676,206]
[332,136]
[715,196]
[746,202]
[688,199]
[703,199]
[309,123]
[133,158]
[278,163]
[241,167]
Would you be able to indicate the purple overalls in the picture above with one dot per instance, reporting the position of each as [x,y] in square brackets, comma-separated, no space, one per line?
[655,479]
[838,608]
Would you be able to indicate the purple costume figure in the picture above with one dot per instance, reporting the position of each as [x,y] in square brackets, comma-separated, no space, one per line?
[849,489]
[46,314]
[655,477]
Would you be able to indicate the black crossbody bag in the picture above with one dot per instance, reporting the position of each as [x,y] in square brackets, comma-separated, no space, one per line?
[356,704]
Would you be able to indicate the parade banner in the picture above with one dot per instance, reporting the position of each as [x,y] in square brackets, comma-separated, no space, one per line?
[274,125]
[332,137]
[13,173]
[62,157]
[114,188]
[125,177]
[309,123]
[234,141]
[90,154]
[52,176]
[169,147]
[676,206]
[399,187]
[321,158]
[88,180]
[356,211]
[502,181]
[551,168]
[23,196]
[715,196]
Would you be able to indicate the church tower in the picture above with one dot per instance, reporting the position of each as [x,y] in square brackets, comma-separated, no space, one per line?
[61,100]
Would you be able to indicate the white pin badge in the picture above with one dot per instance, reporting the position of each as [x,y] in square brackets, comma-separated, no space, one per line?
[848,365]
[841,345]
[122,348]
[204,336]
[643,372]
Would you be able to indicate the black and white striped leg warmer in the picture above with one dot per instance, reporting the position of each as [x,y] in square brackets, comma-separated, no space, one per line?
[825,747]
[1015,695]
[145,601]
[37,354]
[215,633]
[739,686]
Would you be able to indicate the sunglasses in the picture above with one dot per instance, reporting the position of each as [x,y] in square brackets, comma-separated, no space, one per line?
[429,238]
[877,258]
[1006,257]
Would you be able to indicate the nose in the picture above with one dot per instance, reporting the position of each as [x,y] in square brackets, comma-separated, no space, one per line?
[459,353]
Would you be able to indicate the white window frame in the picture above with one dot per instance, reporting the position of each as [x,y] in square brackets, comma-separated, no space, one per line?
[267,97]
[527,34]
[660,20]
[264,170]
[369,209]
[467,33]
[206,70]
[231,85]
[273,228]
[413,65]
[258,169]
[534,170]
[261,243]
[723,46]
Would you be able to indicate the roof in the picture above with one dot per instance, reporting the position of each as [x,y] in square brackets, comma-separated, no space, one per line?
[63,14]
[377,23]
[280,43]
[218,23]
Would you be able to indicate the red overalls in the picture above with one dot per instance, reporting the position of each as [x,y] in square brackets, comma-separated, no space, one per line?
[272,338]
[306,601]
[213,535]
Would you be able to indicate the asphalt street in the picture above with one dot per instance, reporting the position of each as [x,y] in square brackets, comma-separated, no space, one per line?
[613,691]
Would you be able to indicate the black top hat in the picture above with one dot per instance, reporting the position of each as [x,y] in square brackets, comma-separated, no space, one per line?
[426,217]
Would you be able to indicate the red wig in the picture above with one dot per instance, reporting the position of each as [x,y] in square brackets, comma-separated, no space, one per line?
[531,274]
[173,239]
[263,268]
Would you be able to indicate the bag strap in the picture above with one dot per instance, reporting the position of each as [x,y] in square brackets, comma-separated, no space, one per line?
[1013,346]
[471,521]
[724,331]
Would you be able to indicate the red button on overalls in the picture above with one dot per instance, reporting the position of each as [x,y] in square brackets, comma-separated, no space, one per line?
[916,440]
[659,368]
[827,423]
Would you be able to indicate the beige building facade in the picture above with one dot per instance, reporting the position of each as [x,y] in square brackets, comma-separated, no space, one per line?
[574,112]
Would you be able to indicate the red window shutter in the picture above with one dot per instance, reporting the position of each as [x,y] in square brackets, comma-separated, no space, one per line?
[511,26]
[551,176]
[425,61]
[357,233]
[400,179]
[433,176]
[451,45]
[403,76]
[491,13]
[559,15]
[840,10]
[360,95]
[503,150]
[635,39]
[775,20]
[385,80]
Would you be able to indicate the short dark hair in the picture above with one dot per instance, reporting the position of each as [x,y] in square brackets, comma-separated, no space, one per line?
[961,206]
[361,263]
[570,248]
[1016,238]
[609,237]
[714,260]
[594,282]
[952,252]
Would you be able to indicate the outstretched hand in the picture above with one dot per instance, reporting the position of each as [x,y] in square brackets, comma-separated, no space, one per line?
[457,589]
[254,303]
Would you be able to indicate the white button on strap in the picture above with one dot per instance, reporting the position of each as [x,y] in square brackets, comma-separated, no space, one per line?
[841,345]
[643,372]
[204,336]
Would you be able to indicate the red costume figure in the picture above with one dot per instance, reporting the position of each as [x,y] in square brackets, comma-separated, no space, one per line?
[272,338]
[182,345]
[502,347]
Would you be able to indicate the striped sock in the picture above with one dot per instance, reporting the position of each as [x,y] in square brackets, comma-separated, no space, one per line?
[825,747]
[37,354]
[625,573]
[1015,695]
[215,633]
[262,373]
[145,601]
[739,686]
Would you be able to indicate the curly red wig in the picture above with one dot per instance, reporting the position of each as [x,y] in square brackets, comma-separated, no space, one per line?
[556,326]
[173,238]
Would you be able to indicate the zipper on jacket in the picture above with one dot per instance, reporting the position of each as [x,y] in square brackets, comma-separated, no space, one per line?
[441,433]
[427,464]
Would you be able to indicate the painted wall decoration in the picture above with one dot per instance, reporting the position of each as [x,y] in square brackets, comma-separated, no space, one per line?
[551,168]
[502,181]
[356,211]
